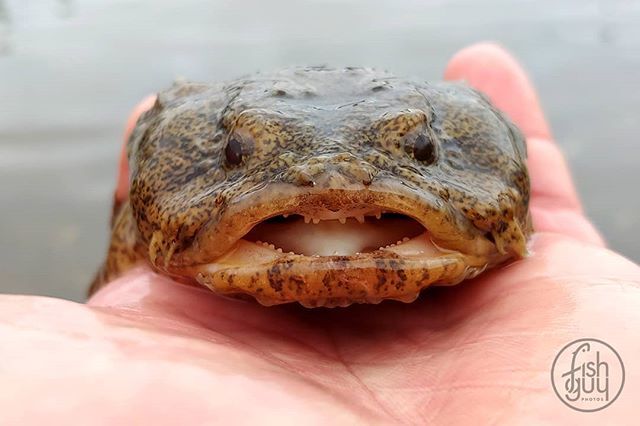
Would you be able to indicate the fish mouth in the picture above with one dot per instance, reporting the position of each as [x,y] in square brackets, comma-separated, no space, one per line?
[333,247]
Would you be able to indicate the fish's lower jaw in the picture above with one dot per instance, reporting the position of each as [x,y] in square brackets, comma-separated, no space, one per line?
[332,281]
[337,264]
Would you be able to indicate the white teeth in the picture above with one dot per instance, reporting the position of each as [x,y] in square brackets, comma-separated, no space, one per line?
[271,246]
[316,221]
[405,239]
[359,217]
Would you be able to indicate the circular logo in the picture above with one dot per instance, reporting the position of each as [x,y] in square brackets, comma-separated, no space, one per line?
[587,375]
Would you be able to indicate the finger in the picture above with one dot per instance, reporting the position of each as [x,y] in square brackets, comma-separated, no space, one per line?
[493,71]
[555,204]
[122,185]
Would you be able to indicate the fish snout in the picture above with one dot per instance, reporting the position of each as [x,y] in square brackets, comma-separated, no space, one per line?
[333,171]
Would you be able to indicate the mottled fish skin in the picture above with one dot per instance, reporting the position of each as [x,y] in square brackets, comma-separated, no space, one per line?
[209,161]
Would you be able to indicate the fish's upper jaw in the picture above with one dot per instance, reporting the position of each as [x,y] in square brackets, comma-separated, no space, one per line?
[446,226]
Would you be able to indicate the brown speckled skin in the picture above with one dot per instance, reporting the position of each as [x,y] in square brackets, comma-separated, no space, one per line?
[312,139]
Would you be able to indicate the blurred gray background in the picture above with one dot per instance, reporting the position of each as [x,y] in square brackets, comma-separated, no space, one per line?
[71,70]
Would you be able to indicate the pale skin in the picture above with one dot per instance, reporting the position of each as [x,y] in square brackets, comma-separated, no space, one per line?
[148,350]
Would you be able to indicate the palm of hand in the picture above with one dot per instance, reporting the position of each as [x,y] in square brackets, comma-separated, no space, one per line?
[480,351]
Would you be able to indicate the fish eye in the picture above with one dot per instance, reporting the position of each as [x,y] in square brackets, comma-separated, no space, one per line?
[233,151]
[424,149]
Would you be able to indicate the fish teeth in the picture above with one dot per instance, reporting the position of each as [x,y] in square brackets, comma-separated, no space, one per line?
[378,215]
[342,220]
[360,218]
[285,215]
[316,221]
[307,219]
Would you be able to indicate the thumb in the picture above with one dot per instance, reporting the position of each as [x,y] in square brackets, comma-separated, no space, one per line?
[122,184]
[555,205]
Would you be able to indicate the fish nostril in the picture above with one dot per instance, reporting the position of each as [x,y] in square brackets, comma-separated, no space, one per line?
[362,173]
[303,178]
[358,170]
[303,174]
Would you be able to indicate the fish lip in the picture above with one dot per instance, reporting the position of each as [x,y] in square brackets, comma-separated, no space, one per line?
[216,237]
[331,281]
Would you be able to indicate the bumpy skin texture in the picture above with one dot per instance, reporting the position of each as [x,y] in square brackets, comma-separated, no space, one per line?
[312,140]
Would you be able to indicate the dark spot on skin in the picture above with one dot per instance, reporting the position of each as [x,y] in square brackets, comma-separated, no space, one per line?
[425,276]
[342,261]
[298,281]
[489,236]
[287,263]
[382,280]
[326,280]
[275,278]
[394,264]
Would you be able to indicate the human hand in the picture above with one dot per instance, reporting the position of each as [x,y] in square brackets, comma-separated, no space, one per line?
[147,350]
